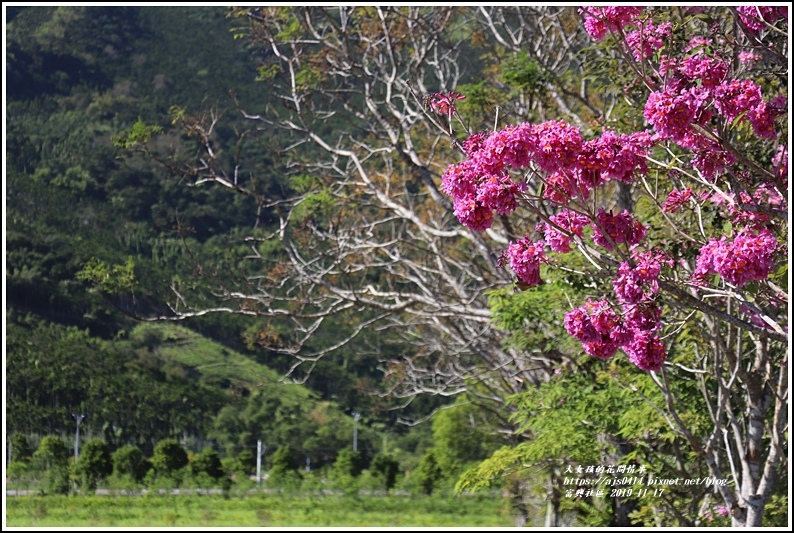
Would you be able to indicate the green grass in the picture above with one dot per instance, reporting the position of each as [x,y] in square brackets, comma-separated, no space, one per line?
[211,359]
[257,510]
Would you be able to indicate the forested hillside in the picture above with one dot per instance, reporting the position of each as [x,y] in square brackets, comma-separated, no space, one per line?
[559,233]
[76,79]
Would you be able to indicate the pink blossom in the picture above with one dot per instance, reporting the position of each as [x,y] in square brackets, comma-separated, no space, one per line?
[644,41]
[460,180]
[557,145]
[744,208]
[698,41]
[671,112]
[722,510]
[444,103]
[559,188]
[642,317]
[613,156]
[779,104]
[525,258]
[472,214]
[598,20]
[512,146]
[475,143]
[602,332]
[780,164]
[569,221]
[748,58]
[711,71]
[748,257]
[601,349]
[498,193]
[628,286]
[621,228]
[668,65]
[767,194]
[735,97]
[677,199]
[639,284]
[579,326]
[762,119]
[754,17]
[480,184]
[598,327]
[709,157]
[646,351]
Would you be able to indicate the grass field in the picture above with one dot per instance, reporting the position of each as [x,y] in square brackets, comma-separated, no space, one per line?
[258,510]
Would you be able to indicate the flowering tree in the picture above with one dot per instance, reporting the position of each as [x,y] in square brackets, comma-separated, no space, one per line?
[653,173]
[704,246]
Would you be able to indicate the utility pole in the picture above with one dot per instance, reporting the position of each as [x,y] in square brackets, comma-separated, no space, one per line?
[260,451]
[79,419]
[355,431]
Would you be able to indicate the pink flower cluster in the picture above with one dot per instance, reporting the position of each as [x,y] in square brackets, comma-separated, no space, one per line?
[755,17]
[512,146]
[642,317]
[619,229]
[571,222]
[696,84]
[738,97]
[444,103]
[753,210]
[477,193]
[525,258]
[672,111]
[748,58]
[598,327]
[639,284]
[600,19]
[696,42]
[708,156]
[711,71]
[557,145]
[677,199]
[748,257]
[613,156]
[560,188]
[602,332]
[473,144]
[646,350]
[643,42]
[481,184]
[692,92]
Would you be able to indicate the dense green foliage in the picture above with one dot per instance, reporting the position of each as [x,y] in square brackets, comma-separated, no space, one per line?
[51,453]
[385,468]
[20,449]
[429,473]
[129,461]
[94,463]
[169,456]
